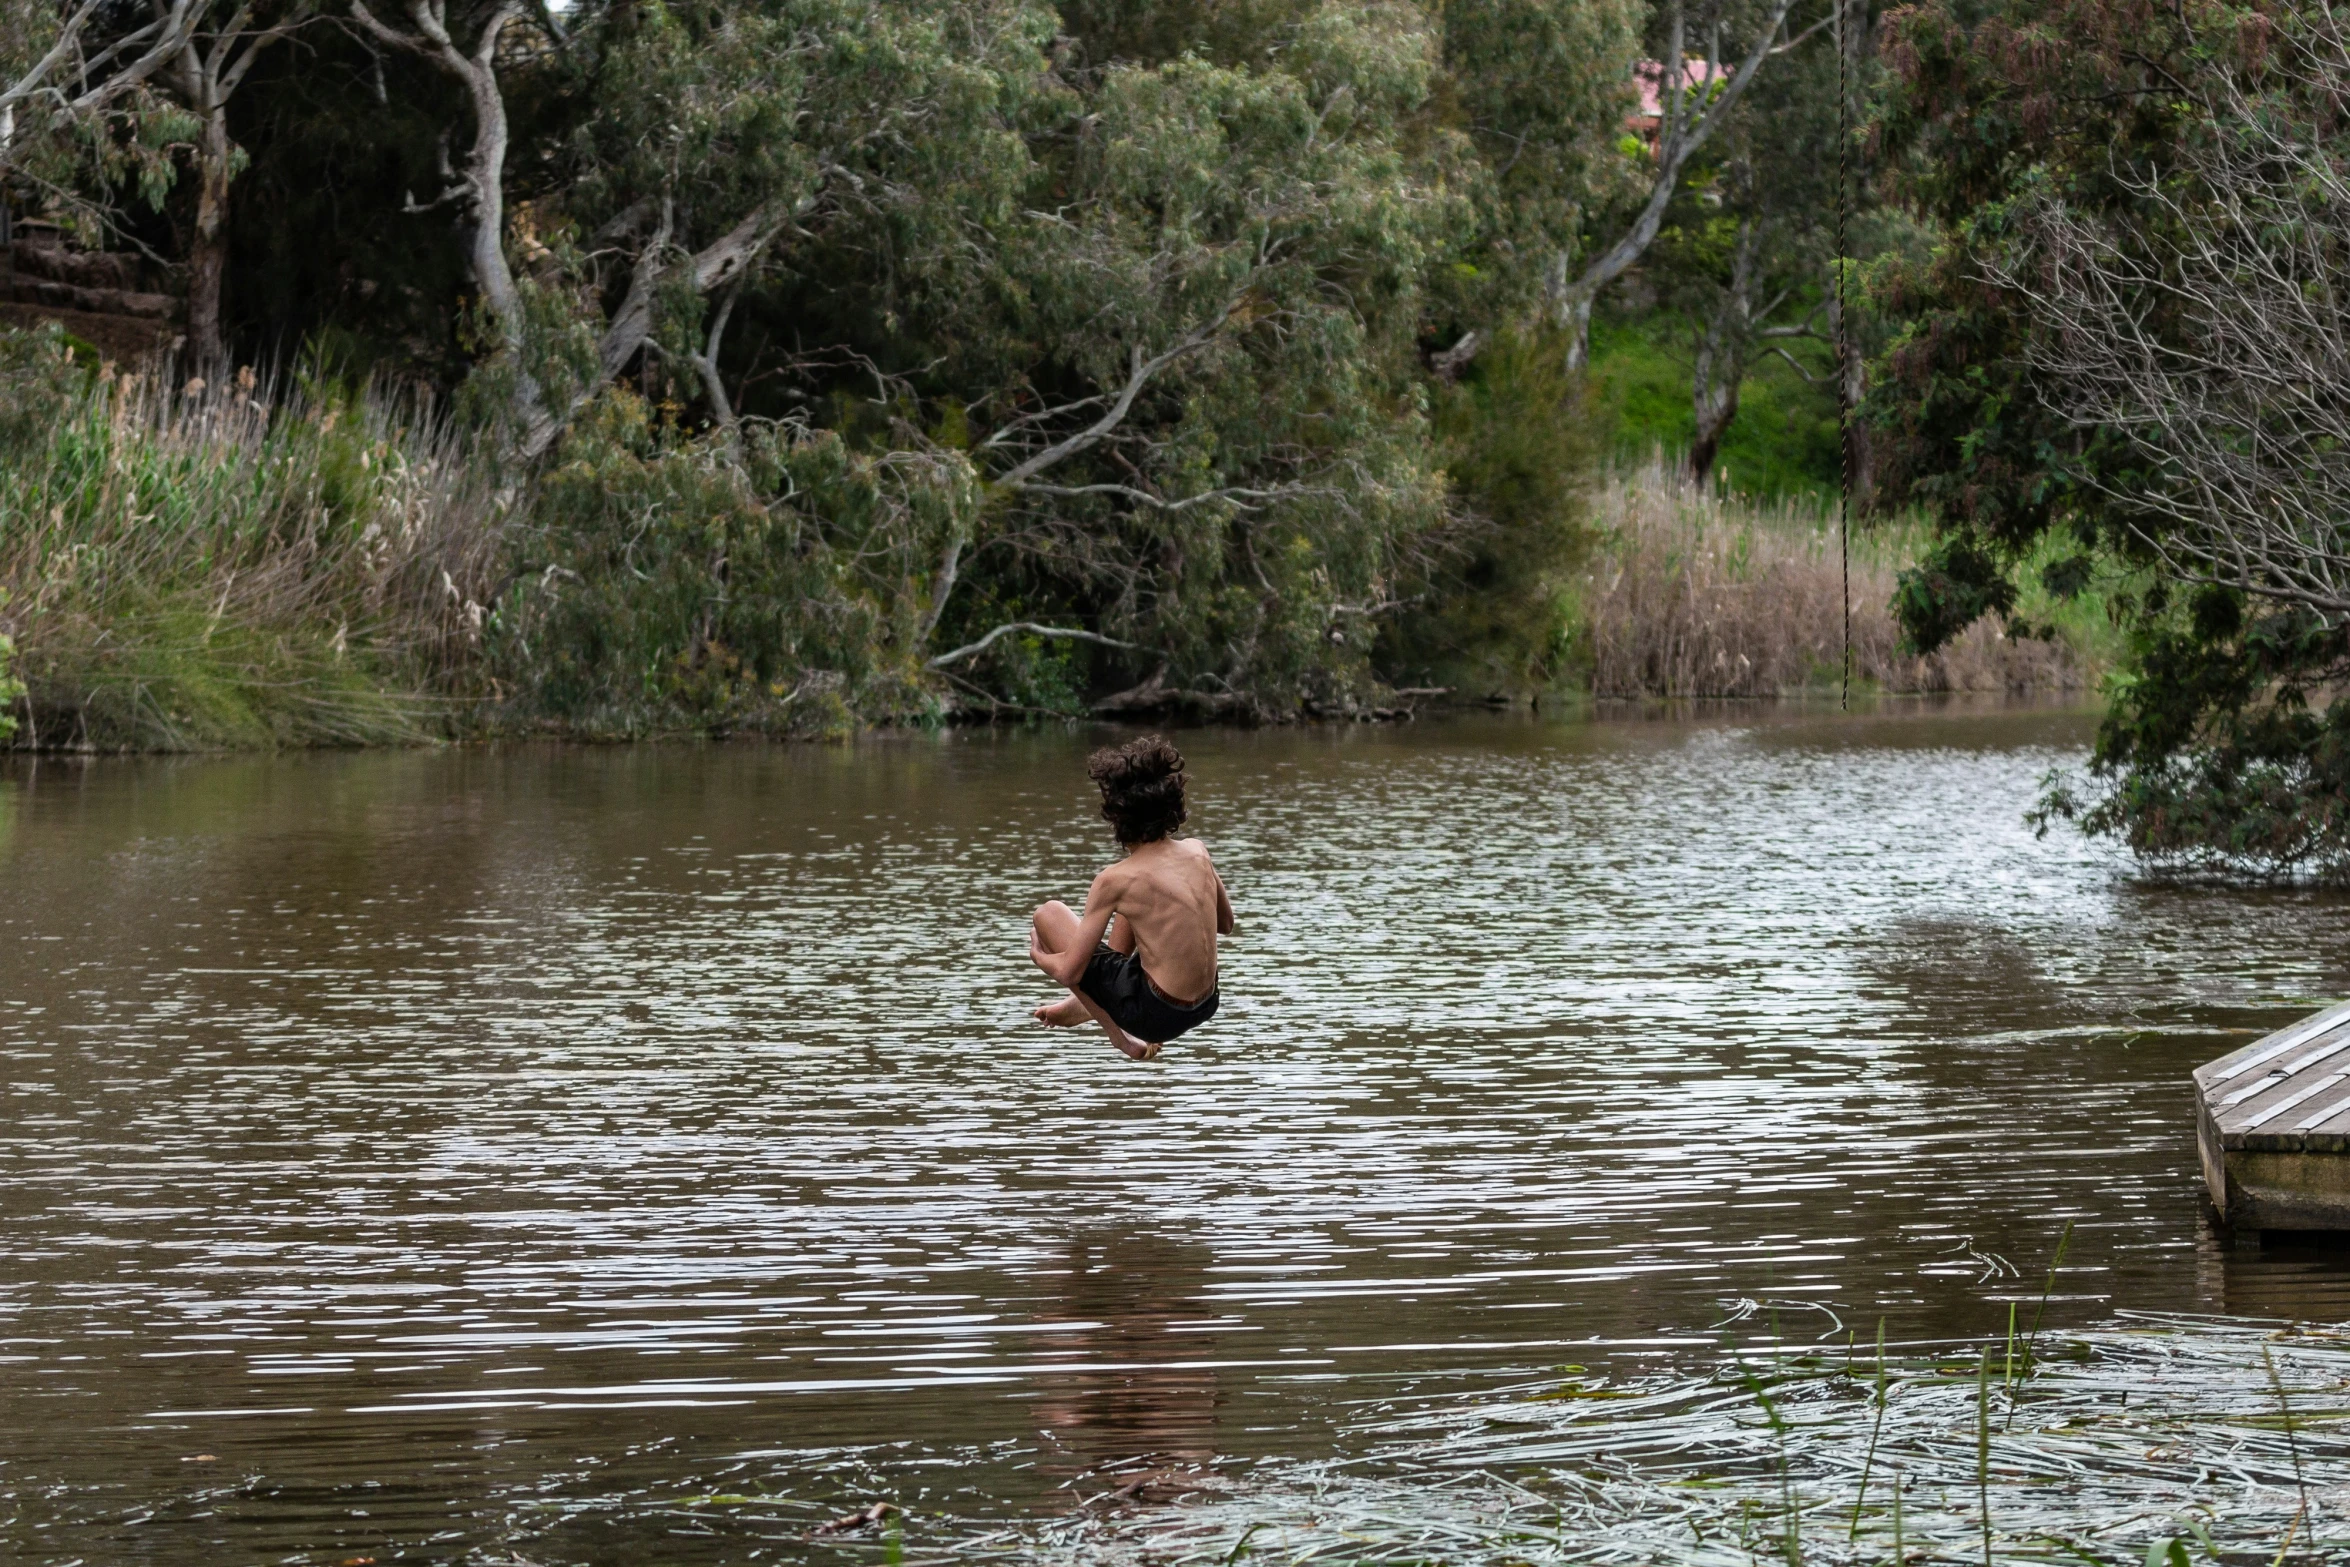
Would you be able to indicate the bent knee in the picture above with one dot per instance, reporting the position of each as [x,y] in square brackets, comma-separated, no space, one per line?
[1052,909]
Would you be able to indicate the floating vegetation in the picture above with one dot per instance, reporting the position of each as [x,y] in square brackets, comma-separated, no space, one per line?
[2168,1440]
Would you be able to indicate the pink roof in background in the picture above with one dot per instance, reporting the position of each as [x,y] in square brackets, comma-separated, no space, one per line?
[1649,77]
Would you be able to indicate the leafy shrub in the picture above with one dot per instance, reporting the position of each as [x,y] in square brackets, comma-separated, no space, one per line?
[1517,442]
[662,582]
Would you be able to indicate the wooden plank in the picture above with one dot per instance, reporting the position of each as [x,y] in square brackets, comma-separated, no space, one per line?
[2300,1034]
[2253,1092]
[2254,1123]
[2287,1073]
[2323,1116]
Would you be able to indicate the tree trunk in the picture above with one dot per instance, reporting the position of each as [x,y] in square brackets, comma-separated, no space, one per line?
[208,251]
[1678,139]
[1575,321]
[480,189]
[483,229]
[1851,386]
[1721,357]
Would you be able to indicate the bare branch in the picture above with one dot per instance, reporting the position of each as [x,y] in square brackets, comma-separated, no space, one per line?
[1199,337]
[724,263]
[2211,336]
[36,78]
[1063,633]
[1236,494]
[706,362]
[1797,365]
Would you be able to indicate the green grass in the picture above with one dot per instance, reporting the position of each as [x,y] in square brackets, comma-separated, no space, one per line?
[1783,442]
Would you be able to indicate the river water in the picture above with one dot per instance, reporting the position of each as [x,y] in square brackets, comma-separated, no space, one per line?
[495,1154]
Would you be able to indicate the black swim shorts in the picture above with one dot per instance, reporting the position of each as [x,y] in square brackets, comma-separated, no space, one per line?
[1116,983]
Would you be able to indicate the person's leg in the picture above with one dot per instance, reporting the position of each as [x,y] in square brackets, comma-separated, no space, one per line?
[1056,932]
[1138,1049]
[1056,925]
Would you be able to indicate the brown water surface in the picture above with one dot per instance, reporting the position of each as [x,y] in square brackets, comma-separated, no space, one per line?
[495,1154]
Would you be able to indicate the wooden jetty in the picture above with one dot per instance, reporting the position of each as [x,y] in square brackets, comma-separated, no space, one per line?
[2273,1123]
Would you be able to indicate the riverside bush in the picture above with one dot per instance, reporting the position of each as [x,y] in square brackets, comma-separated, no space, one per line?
[199,568]
[662,582]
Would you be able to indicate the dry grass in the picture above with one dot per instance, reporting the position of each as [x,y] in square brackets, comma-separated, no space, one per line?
[188,568]
[1694,595]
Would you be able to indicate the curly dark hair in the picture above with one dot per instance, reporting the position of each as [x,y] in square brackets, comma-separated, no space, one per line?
[1142,788]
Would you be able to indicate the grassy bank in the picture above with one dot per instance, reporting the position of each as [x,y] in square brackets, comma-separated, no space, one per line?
[241,566]
[220,567]
[1694,594]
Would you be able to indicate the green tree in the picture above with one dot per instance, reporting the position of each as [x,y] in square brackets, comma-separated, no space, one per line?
[1699,91]
[2063,389]
[1746,249]
[1541,89]
[1116,353]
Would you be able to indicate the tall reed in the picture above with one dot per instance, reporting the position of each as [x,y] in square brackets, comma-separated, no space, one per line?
[1694,594]
[193,566]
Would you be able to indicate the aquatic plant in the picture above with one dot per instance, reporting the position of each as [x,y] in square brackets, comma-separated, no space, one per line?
[2154,1438]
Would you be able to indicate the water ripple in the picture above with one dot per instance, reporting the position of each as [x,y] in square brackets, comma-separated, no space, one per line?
[404,1150]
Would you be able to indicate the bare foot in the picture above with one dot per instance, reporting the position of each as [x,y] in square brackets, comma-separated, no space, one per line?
[1137,1049]
[1067,1012]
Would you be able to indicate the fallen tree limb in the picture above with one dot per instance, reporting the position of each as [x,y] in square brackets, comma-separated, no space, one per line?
[1154,695]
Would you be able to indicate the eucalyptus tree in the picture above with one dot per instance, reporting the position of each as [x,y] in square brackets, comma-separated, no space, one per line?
[465,49]
[222,43]
[1201,428]
[1539,88]
[1161,310]
[730,140]
[1747,251]
[56,67]
[1697,95]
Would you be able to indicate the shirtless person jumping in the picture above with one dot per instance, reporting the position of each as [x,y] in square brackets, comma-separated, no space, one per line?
[1150,974]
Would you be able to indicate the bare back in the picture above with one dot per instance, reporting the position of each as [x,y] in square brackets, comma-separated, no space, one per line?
[1168,896]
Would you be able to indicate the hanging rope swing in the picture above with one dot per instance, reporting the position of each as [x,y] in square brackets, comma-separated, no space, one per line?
[1844,377]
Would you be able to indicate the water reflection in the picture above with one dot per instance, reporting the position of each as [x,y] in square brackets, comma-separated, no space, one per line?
[2283,1275]
[511,1149]
[1135,1419]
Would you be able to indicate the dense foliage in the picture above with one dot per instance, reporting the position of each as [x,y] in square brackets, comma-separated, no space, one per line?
[820,339]
[2078,383]
[803,363]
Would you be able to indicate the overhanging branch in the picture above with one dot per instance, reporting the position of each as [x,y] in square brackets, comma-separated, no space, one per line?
[1060,633]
